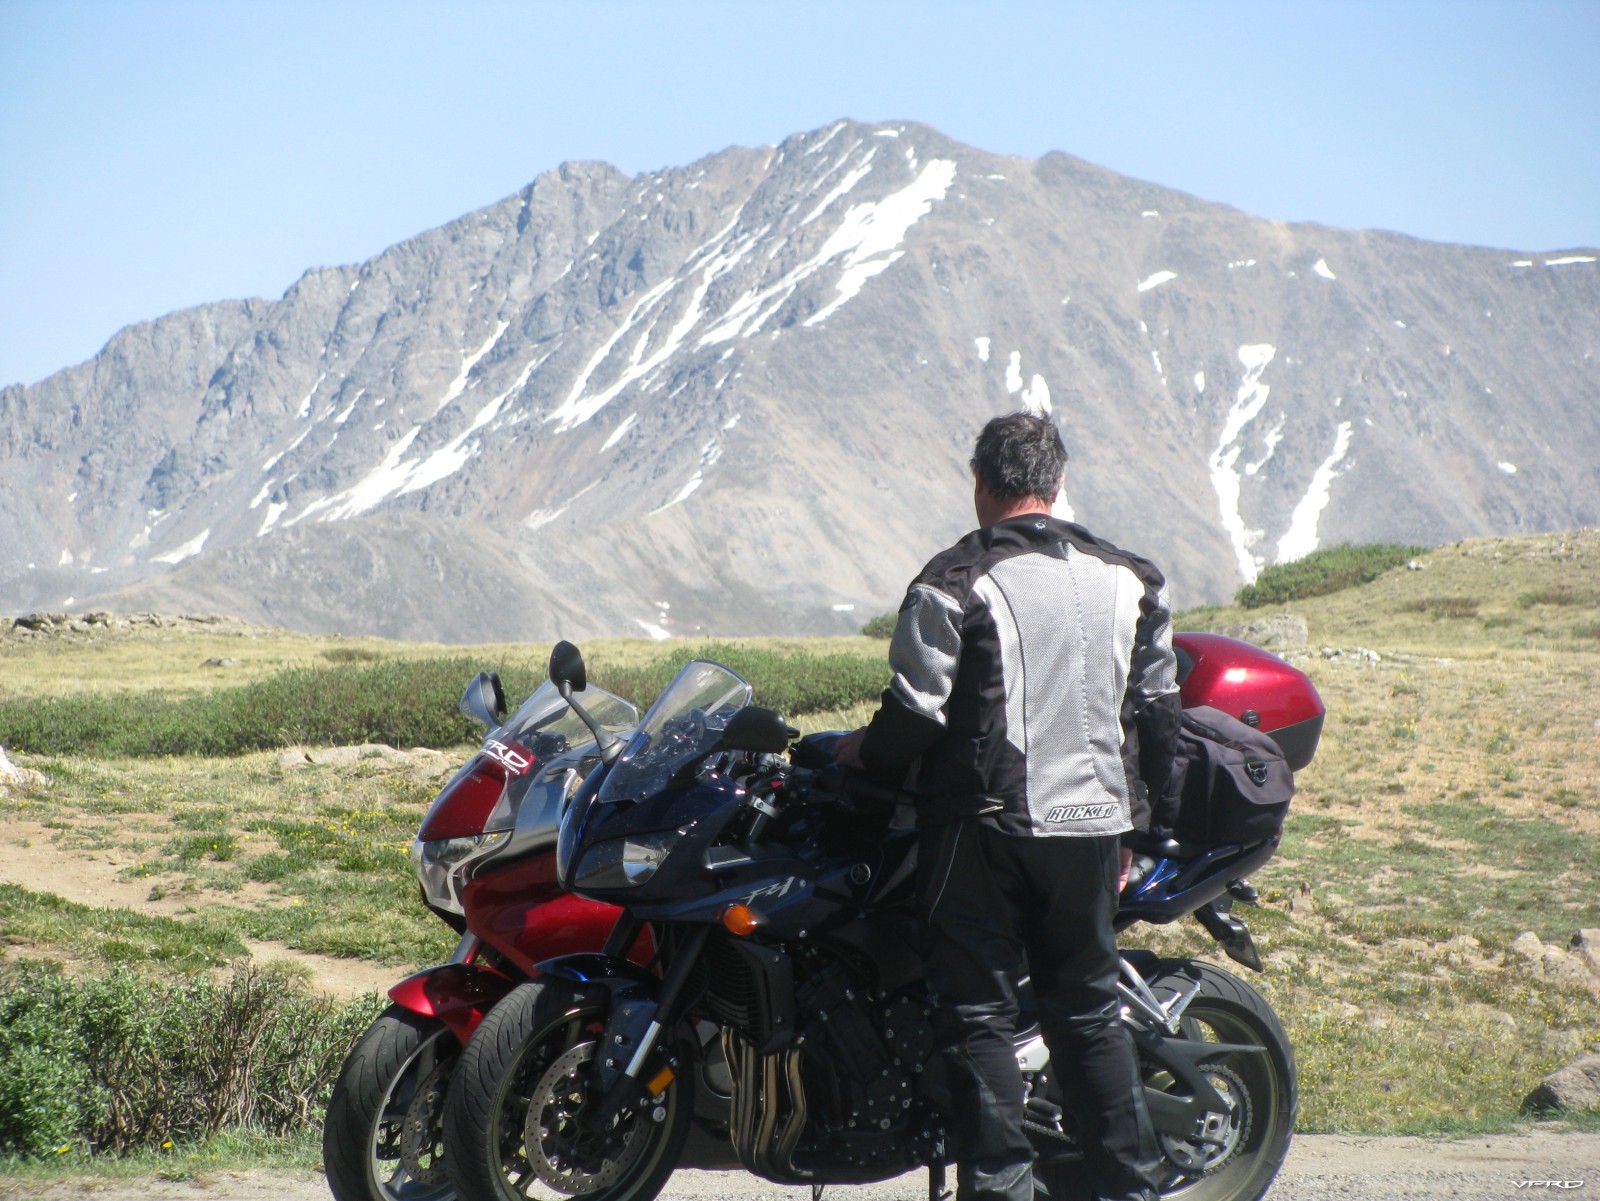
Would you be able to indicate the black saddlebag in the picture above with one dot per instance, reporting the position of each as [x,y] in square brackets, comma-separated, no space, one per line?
[1229,783]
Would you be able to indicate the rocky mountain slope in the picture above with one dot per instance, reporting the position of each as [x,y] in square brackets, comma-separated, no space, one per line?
[737,397]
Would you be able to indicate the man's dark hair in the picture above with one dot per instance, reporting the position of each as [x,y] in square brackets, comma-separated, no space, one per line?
[1019,455]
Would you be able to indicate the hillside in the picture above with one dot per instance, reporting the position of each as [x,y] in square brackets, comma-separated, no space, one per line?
[736,398]
[1417,926]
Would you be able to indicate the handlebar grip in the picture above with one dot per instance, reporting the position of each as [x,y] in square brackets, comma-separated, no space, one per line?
[861,788]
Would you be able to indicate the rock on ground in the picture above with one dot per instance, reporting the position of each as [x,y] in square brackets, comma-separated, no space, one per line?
[1574,1087]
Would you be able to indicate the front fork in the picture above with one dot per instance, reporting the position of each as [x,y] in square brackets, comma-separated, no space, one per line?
[633,1032]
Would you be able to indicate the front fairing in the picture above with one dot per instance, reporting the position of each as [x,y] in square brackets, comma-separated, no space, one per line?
[648,789]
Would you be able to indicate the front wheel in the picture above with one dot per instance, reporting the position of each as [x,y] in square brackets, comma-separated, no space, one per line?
[382,1139]
[513,1118]
[1232,1155]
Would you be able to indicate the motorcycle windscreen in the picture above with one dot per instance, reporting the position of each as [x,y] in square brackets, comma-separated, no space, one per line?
[684,724]
[545,725]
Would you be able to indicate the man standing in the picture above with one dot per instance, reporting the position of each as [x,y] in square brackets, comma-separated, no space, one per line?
[1035,678]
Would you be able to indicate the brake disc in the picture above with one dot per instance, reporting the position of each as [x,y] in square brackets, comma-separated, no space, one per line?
[1216,1136]
[561,1152]
[422,1134]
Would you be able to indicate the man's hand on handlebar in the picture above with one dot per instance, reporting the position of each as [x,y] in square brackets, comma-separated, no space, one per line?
[848,749]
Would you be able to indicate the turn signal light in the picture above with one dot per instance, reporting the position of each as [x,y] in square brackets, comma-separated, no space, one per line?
[740,920]
[659,1082]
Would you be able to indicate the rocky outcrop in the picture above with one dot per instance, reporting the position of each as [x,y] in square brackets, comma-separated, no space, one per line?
[1555,963]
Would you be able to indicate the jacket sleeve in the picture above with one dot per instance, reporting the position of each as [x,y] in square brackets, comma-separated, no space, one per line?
[924,655]
[1153,687]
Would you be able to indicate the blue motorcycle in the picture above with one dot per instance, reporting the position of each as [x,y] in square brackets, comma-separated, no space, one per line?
[783,1026]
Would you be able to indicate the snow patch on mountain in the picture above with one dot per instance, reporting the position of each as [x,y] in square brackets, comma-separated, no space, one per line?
[1301,538]
[1225,477]
[188,550]
[274,511]
[621,432]
[1036,397]
[870,233]
[305,405]
[1014,372]
[845,185]
[468,362]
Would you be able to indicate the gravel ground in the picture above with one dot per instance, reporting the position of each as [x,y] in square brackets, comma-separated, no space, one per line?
[1320,1168]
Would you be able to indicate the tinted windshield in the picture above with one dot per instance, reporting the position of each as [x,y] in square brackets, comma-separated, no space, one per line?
[683,725]
[546,726]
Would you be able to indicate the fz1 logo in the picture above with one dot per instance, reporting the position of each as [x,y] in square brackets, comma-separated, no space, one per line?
[1549,1183]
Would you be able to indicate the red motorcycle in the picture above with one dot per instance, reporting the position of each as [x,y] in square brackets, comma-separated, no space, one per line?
[485,858]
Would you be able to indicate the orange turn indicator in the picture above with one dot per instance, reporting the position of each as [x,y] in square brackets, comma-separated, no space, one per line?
[740,919]
[658,1083]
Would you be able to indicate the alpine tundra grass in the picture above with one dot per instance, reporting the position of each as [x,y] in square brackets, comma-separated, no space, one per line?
[1439,857]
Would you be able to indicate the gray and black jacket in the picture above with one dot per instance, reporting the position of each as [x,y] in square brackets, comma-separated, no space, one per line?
[1034,676]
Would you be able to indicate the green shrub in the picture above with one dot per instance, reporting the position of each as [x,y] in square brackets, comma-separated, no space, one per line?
[350,654]
[881,626]
[1322,572]
[1443,606]
[791,683]
[399,702]
[119,1063]
[45,1092]
[1561,595]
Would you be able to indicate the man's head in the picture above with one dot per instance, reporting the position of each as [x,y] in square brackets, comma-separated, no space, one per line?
[1018,464]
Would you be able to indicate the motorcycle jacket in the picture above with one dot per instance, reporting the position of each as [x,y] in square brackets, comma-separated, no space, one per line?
[1035,678]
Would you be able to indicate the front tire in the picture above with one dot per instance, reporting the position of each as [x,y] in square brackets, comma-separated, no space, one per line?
[510,1120]
[1236,1156]
[382,1139]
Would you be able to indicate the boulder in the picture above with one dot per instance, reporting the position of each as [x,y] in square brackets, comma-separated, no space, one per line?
[1574,1087]
[19,778]
[1272,630]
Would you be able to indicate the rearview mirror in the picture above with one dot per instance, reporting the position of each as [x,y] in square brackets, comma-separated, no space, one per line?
[760,730]
[566,667]
[568,675]
[485,700]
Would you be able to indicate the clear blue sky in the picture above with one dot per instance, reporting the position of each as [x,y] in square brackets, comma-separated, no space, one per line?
[156,154]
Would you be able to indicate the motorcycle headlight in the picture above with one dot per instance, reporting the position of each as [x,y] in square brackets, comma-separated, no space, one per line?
[625,862]
[444,865]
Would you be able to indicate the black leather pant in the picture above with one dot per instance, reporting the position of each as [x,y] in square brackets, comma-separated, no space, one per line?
[992,903]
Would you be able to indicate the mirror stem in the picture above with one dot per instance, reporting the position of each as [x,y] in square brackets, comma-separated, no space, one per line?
[610,745]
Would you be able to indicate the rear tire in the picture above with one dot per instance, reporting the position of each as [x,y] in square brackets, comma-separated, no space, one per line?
[1255,1138]
[382,1139]
[528,1060]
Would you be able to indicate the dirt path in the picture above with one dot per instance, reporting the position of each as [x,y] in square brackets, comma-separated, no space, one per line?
[95,878]
[1320,1168]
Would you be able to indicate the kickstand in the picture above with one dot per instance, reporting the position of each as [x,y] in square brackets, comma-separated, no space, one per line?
[936,1188]
[817,1190]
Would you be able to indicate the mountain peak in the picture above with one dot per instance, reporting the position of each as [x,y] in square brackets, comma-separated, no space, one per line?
[737,396]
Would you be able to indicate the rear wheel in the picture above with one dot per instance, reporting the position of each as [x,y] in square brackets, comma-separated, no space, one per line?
[1235,1154]
[513,1120]
[383,1136]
